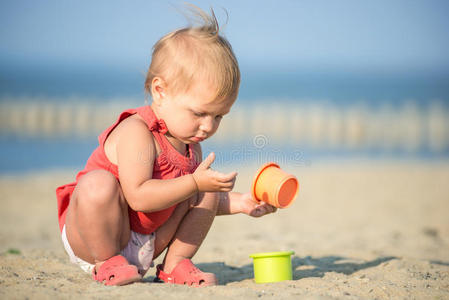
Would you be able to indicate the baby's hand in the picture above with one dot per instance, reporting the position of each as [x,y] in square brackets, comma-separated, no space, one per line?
[253,208]
[208,180]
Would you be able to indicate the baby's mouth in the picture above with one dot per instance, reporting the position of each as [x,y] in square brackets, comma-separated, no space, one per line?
[198,139]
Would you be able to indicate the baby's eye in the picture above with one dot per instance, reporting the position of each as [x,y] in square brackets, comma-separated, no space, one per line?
[198,114]
[218,117]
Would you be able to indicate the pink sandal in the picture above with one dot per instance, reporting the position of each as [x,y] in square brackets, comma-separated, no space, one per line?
[186,273]
[116,271]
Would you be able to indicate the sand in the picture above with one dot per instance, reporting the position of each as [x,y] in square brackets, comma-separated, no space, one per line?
[376,230]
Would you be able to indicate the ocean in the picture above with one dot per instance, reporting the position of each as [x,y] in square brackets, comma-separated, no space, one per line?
[331,108]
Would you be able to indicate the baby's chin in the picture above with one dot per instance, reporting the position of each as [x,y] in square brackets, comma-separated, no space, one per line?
[187,141]
[193,141]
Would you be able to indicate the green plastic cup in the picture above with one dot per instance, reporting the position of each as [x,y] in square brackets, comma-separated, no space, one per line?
[272,266]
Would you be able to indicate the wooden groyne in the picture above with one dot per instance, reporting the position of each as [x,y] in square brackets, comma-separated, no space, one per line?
[406,128]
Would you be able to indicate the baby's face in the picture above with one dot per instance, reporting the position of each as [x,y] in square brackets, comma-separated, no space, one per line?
[194,116]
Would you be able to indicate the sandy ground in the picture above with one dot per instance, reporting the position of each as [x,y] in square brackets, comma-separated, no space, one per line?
[374,231]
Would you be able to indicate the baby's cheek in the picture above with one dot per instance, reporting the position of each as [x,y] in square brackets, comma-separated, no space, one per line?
[185,127]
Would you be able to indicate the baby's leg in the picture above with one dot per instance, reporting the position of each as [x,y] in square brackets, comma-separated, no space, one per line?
[186,238]
[97,222]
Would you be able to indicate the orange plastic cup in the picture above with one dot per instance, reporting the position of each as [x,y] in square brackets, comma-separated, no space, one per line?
[274,186]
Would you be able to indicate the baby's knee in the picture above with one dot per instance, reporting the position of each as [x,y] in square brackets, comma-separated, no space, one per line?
[208,200]
[98,187]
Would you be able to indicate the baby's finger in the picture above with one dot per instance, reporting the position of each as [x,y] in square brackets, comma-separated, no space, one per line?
[229,184]
[205,164]
[257,212]
[225,189]
[268,207]
[226,177]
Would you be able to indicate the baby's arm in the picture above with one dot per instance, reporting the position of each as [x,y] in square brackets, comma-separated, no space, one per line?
[136,152]
[233,203]
[229,203]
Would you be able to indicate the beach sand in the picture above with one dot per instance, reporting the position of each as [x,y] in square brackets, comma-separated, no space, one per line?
[376,230]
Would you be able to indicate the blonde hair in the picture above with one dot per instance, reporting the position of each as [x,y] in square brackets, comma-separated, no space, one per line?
[188,55]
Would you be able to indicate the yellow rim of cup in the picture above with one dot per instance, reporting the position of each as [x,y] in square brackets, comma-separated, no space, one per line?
[272,254]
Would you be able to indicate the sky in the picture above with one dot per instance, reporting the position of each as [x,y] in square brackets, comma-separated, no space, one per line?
[314,33]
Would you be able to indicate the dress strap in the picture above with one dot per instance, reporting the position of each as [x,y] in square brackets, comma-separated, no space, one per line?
[155,125]
[158,125]
[159,129]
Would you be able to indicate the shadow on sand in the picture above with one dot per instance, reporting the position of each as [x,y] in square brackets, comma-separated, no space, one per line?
[318,267]
[302,268]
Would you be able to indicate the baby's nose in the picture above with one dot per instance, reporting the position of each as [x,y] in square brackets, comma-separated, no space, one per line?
[207,125]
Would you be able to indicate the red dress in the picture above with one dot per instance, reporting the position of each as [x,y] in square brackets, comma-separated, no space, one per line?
[169,164]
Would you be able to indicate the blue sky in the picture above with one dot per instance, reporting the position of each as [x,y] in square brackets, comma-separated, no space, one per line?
[346,34]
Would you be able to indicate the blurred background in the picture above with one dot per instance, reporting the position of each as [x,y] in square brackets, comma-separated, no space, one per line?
[321,80]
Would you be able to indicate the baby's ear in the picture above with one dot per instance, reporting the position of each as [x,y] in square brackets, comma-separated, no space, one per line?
[158,89]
